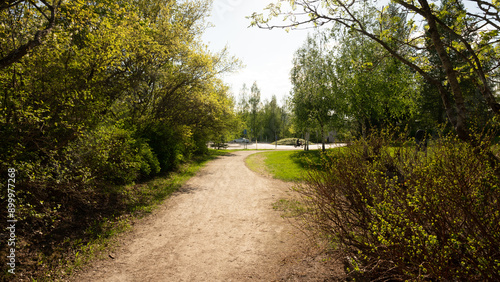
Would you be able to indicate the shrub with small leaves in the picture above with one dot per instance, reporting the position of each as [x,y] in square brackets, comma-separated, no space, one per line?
[402,214]
[115,156]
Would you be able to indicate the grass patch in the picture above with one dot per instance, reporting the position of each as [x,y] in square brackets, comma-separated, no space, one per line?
[289,208]
[256,162]
[286,165]
[278,164]
[137,200]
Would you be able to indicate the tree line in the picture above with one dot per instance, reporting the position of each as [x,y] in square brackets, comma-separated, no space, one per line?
[408,62]
[262,120]
[99,94]
[391,205]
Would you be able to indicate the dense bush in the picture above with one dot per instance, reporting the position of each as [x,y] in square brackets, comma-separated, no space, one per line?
[67,184]
[62,193]
[400,214]
[171,145]
[113,155]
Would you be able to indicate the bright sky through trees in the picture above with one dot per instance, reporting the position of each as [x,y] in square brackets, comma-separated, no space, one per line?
[267,54]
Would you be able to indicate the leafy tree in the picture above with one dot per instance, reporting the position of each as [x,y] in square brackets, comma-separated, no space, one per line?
[132,63]
[25,26]
[313,92]
[477,51]
[264,121]
[117,92]
[377,89]
[272,119]
[243,105]
[254,102]
[67,84]
[286,115]
[474,102]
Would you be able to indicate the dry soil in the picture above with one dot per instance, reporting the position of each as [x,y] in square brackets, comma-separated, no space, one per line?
[221,226]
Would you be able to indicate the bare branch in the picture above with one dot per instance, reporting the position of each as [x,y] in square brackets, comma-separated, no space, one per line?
[40,10]
[490,13]
[6,4]
[16,55]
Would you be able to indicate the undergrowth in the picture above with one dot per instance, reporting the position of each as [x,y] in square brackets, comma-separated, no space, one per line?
[53,243]
[399,213]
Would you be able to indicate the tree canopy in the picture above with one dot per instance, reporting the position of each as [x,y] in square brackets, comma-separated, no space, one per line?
[314,92]
[409,31]
[99,94]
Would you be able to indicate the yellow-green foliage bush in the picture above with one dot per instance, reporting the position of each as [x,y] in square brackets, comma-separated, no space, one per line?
[115,156]
[399,213]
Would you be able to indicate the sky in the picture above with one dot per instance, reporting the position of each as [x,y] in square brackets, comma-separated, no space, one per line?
[266,54]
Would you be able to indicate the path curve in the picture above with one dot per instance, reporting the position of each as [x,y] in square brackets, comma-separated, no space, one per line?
[219,227]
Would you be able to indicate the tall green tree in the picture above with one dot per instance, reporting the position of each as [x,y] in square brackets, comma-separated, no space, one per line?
[479,51]
[377,90]
[314,92]
[254,102]
[286,115]
[272,119]
[243,105]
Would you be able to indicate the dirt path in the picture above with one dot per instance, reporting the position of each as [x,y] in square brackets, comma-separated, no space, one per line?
[220,227]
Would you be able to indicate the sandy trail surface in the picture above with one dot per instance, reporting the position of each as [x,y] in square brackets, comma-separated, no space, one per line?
[220,226]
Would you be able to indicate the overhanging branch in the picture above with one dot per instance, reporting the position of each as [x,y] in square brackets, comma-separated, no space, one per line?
[16,55]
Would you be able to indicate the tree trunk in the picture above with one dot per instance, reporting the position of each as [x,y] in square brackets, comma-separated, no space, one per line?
[17,54]
[461,117]
[323,138]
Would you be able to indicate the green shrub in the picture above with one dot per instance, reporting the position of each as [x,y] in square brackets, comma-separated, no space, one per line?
[149,164]
[171,145]
[403,214]
[114,156]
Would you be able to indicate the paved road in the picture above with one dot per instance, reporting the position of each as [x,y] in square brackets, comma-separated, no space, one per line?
[268,146]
